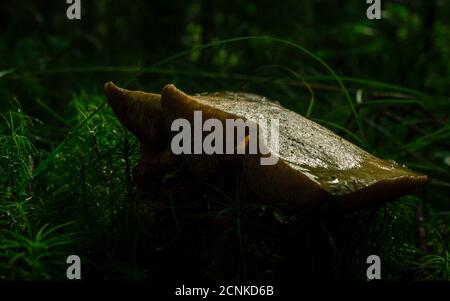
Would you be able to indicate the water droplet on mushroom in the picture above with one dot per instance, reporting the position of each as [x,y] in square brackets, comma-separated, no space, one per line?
[334,181]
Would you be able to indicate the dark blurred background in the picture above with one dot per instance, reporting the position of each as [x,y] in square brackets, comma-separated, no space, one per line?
[408,47]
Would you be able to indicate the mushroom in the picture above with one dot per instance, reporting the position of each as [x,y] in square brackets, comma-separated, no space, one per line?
[314,167]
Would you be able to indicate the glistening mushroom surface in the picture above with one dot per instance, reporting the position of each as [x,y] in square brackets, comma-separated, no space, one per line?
[338,165]
[314,163]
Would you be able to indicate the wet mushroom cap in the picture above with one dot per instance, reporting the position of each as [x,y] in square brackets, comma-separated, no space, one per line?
[315,165]
[138,111]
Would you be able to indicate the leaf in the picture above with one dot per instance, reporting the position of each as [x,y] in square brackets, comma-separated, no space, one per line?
[6,72]
[279,217]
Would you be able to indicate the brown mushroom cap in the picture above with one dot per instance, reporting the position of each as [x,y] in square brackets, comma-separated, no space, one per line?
[138,111]
[315,165]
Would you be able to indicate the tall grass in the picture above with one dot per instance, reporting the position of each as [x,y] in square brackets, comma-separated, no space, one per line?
[87,178]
